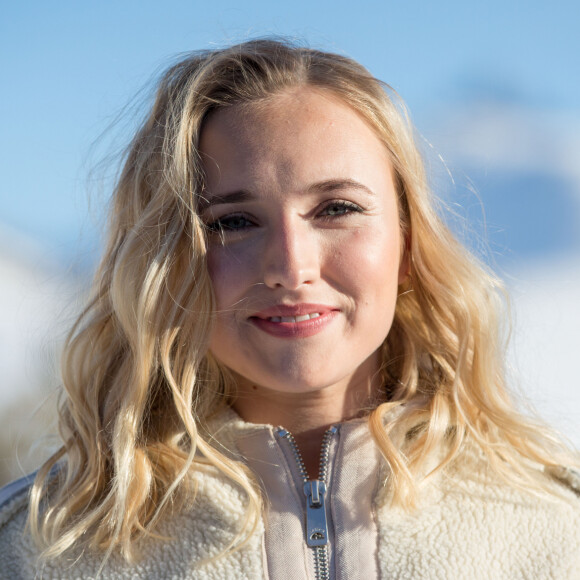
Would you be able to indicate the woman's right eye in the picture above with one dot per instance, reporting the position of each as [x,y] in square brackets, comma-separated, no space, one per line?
[229,223]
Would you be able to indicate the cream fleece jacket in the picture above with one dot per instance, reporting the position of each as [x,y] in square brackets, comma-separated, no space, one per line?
[469,525]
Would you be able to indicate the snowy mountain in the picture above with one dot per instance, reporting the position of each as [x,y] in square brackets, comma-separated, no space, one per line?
[516,181]
[37,302]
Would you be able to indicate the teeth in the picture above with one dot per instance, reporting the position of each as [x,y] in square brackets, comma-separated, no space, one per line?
[294,318]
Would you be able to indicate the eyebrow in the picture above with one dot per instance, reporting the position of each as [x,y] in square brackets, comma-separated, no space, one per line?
[331,185]
[326,186]
[232,197]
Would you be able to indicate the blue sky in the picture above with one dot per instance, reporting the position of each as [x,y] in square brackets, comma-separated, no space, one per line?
[494,87]
[69,67]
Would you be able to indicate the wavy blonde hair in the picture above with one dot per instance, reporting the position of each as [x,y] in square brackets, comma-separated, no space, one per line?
[139,380]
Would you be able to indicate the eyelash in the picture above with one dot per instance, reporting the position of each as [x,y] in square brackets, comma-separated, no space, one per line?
[343,205]
[220,225]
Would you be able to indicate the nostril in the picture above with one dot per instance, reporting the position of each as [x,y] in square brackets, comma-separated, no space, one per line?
[291,254]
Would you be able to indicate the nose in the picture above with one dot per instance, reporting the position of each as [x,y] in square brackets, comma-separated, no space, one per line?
[291,257]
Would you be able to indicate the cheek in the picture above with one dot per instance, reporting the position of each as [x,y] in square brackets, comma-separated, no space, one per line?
[370,261]
[229,272]
[218,274]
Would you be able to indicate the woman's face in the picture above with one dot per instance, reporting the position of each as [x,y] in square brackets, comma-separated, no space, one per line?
[305,249]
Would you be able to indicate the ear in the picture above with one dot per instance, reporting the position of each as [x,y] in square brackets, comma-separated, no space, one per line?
[405,263]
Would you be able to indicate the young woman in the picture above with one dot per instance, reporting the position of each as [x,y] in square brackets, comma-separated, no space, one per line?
[289,368]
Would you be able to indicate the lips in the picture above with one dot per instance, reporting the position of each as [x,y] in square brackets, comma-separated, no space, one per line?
[293,311]
[296,321]
[294,318]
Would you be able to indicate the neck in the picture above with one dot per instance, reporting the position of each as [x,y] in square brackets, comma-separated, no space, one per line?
[307,415]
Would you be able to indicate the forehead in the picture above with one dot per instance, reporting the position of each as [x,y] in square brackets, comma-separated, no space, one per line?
[312,105]
[303,132]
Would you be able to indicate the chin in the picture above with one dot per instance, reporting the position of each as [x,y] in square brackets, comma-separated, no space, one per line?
[295,382]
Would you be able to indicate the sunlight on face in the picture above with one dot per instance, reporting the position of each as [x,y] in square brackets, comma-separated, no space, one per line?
[305,243]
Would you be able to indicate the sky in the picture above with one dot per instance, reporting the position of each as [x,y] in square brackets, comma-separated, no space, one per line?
[69,68]
[493,88]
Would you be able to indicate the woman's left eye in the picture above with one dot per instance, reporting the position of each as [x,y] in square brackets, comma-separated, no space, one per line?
[340,208]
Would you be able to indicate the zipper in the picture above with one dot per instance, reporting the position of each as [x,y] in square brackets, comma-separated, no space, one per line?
[315,494]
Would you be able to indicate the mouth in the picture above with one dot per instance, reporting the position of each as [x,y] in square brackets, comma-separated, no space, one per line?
[297,321]
[284,313]
[300,318]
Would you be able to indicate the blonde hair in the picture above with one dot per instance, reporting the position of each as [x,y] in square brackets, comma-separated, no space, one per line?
[139,380]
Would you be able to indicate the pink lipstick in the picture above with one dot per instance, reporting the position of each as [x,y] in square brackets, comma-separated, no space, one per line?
[297,321]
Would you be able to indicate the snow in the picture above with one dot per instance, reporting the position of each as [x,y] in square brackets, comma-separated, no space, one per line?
[38,299]
[546,341]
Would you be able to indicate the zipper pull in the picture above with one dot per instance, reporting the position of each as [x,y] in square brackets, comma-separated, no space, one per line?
[316,526]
